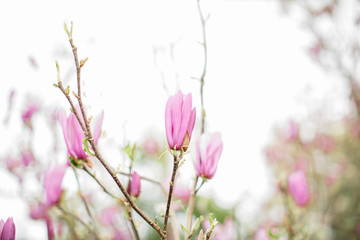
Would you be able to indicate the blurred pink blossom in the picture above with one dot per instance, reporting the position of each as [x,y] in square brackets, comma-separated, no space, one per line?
[74,134]
[122,235]
[39,211]
[325,143]
[298,188]
[151,147]
[108,215]
[182,193]
[301,163]
[223,231]
[52,184]
[27,157]
[7,229]
[209,148]
[261,234]
[179,120]
[11,163]
[31,108]
[275,153]
[292,131]
[134,185]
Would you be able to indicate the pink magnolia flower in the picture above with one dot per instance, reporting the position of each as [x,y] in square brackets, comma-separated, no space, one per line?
[209,148]
[179,120]
[7,229]
[298,188]
[29,111]
[52,184]
[40,212]
[74,134]
[134,185]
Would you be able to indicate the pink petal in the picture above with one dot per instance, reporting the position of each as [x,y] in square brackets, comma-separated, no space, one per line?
[2,223]
[39,211]
[8,231]
[298,188]
[134,185]
[168,122]
[185,119]
[52,184]
[176,113]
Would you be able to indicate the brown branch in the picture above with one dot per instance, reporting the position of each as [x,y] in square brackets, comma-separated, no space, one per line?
[89,136]
[171,188]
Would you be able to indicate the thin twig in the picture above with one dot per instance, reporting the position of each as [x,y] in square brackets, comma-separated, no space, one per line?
[133,227]
[202,78]
[79,220]
[190,209]
[100,184]
[142,178]
[192,199]
[129,210]
[171,188]
[83,199]
[89,136]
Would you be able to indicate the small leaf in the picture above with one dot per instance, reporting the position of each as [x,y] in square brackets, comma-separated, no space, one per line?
[184,229]
[66,30]
[213,236]
[211,218]
[86,147]
[128,150]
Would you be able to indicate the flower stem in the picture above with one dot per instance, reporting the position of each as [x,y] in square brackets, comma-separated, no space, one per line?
[190,209]
[171,188]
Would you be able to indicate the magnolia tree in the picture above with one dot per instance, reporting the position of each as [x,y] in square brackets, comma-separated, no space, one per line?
[317,175]
[316,162]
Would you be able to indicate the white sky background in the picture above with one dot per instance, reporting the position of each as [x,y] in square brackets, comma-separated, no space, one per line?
[258,75]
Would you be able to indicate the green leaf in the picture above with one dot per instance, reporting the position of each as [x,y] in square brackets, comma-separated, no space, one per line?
[211,219]
[213,236]
[128,150]
[86,147]
[184,229]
